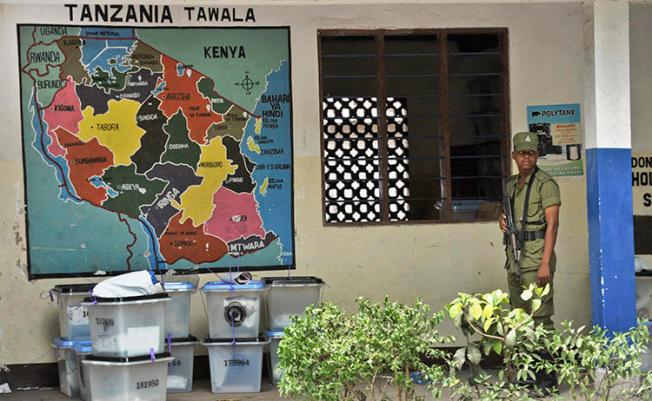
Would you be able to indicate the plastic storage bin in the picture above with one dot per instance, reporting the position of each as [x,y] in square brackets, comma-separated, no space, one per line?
[233,309]
[177,311]
[275,337]
[128,379]
[463,209]
[289,296]
[127,327]
[180,369]
[82,350]
[235,367]
[67,365]
[73,316]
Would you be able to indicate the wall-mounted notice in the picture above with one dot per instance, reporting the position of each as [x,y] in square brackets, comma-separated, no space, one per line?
[642,201]
[560,138]
[642,183]
[156,148]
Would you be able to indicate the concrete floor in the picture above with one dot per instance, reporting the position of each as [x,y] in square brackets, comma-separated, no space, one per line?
[201,392]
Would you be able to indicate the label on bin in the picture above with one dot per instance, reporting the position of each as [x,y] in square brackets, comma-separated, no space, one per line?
[139,340]
[104,322]
[77,315]
[147,384]
[236,362]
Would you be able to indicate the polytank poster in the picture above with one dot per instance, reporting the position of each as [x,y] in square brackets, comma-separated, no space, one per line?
[156,148]
[560,138]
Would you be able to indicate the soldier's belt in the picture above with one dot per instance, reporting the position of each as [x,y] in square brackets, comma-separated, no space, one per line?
[533,235]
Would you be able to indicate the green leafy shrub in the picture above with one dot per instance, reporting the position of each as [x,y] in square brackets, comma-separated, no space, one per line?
[327,355]
[490,326]
[595,366]
[598,365]
[317,355]
[395,338]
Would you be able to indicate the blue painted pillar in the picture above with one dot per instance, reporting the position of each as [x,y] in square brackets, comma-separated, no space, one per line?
[608,164]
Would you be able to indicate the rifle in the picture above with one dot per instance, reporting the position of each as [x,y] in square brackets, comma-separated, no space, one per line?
[510,239]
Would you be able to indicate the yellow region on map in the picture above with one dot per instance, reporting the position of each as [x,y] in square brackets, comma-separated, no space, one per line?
[263,186]
[116,129]
[252,145]
[214,167]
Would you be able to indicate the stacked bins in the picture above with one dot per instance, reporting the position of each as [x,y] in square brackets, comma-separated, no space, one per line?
[129,360]
[182,344]
[177,311]
[73,316]
[275,337]
[234,347]
[286,297]
[236,366]
[140,378]
[181,368]
[82,350]
[73,328]
[67,365]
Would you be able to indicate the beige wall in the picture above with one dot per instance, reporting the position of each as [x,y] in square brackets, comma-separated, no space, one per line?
[431,261]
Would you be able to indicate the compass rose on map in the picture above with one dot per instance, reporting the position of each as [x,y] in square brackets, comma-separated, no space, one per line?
[247,84]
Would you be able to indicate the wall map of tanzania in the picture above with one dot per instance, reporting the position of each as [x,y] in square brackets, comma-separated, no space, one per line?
[152,148]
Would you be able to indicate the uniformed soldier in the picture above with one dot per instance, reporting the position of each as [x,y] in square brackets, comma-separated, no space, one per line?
[539,230]
[535,200]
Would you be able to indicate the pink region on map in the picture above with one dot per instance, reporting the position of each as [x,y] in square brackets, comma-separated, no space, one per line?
[235,216]
[64,112]
[54,148]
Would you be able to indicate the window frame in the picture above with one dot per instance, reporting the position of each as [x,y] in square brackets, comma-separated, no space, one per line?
[446,184]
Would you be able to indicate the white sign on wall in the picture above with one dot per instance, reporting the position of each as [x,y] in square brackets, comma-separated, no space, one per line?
[642,183]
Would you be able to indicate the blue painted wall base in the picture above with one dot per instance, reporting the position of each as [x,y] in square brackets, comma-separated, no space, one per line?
[611,238]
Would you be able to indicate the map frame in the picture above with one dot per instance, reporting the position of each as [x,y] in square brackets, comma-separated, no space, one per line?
[25,143]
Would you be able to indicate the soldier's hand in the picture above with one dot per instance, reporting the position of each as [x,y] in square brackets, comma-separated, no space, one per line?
[502,222]
[543,274]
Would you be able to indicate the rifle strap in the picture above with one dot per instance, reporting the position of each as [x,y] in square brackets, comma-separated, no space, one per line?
[525,205]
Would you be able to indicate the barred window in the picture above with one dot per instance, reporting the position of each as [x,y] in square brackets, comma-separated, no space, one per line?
[414,125]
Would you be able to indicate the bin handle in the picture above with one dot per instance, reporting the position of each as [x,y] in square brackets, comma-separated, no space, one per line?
[47,294]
